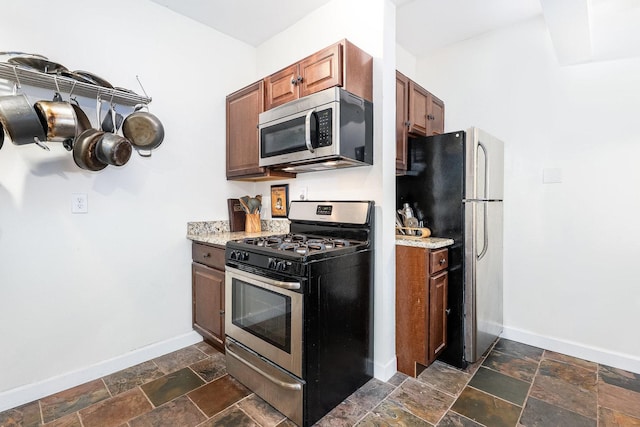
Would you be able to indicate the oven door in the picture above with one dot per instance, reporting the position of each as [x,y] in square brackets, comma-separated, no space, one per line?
[266,316]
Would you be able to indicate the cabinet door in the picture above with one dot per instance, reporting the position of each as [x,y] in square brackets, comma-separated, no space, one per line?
[321,70]
[418,109]
[282,87]
[402,118]
[437,314]
[435,116]
[208,302]
[243,108]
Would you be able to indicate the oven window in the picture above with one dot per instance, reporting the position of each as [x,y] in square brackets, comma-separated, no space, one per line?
[286,137]
[263,313]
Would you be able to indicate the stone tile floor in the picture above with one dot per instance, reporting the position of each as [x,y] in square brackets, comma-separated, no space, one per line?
[515,385]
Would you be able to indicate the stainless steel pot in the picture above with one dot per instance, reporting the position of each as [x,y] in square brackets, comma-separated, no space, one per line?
[144,130]
[58,119]
[113,149]
[85,150]
[20,121]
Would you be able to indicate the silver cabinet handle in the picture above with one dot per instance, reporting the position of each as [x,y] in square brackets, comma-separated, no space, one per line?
[280,383]
[442,261]
[206,255]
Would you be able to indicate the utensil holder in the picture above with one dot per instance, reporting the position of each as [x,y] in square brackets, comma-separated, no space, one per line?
[252,223]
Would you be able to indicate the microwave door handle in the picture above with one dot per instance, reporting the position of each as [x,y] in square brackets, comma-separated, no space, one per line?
[307,130]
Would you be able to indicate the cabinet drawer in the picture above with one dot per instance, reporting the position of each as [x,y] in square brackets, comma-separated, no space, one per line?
[208,255]
[438,260]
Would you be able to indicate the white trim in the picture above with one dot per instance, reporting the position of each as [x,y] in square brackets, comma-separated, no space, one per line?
[386,371]
[30,392]
[605,357]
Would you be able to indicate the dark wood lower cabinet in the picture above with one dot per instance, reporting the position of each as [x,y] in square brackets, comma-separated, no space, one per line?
[421,307]
[208,293]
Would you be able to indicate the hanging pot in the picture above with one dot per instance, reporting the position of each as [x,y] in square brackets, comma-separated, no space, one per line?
[20,121]
[85,150]
[144,130]
[113,149]
[1,135]
[110,118]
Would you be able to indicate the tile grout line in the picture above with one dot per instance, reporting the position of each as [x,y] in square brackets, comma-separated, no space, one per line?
[206,417]
[533,379]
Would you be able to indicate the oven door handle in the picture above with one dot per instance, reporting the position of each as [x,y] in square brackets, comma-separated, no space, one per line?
[307,130]
[272,282]
[282,384]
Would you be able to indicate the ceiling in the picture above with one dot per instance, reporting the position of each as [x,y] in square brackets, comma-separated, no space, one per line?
[581,30]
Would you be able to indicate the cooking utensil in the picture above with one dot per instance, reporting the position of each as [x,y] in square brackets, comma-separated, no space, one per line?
[58,119]
[84,150]
[20,121]
[38,64]
[75,76]
[143,129]
[96,80]
[110,118]
[113,149]
[244,203]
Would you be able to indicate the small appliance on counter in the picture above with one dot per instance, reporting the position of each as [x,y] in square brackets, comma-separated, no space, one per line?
[298,309]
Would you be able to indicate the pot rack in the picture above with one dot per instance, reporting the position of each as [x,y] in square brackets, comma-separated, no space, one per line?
[39,79]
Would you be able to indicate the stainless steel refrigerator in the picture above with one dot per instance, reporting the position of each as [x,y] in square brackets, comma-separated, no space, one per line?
[454,183]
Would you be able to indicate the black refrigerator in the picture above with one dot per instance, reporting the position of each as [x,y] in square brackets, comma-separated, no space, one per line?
[454,183]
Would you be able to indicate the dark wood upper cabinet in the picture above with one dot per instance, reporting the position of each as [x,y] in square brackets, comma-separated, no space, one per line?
[243,152]
[341,64]
[402,120]
[418,113]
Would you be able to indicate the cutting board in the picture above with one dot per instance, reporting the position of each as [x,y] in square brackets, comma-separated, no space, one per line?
[236,215]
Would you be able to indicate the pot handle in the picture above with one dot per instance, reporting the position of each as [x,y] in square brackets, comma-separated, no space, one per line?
[41,144]
[144,153]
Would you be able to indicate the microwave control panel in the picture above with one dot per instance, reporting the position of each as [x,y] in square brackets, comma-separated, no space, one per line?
[324,127]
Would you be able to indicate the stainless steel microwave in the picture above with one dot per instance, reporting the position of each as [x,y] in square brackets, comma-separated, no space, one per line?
[326,130]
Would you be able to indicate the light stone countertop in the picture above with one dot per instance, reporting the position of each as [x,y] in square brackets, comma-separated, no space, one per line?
[217,232]
[428,242]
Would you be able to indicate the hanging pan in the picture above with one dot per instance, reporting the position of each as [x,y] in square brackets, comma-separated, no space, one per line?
[144,130]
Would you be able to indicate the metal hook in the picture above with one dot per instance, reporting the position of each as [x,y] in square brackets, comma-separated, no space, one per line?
[72,87]
[141,87]
[15,73]
[55,80]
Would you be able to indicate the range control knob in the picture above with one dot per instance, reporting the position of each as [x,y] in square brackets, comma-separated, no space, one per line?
[281,266]
[271,263]
[245,256]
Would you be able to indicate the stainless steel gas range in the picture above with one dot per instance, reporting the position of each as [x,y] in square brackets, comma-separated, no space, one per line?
[299,309]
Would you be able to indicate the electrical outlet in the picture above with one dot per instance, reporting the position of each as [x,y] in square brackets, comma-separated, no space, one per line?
[302,193]
[79,203]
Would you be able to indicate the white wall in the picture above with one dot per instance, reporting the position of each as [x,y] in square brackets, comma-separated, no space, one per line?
[80,291]
[370,25]
[571,249]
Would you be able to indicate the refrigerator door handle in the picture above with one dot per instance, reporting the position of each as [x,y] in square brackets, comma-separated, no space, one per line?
[486,170]
[484,196]
[485,246]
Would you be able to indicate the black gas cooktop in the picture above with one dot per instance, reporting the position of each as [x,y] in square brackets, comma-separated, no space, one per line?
[300,247]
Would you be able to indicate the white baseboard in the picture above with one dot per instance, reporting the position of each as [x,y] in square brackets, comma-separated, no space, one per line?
[30,392]
[594,354]
[385,371]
